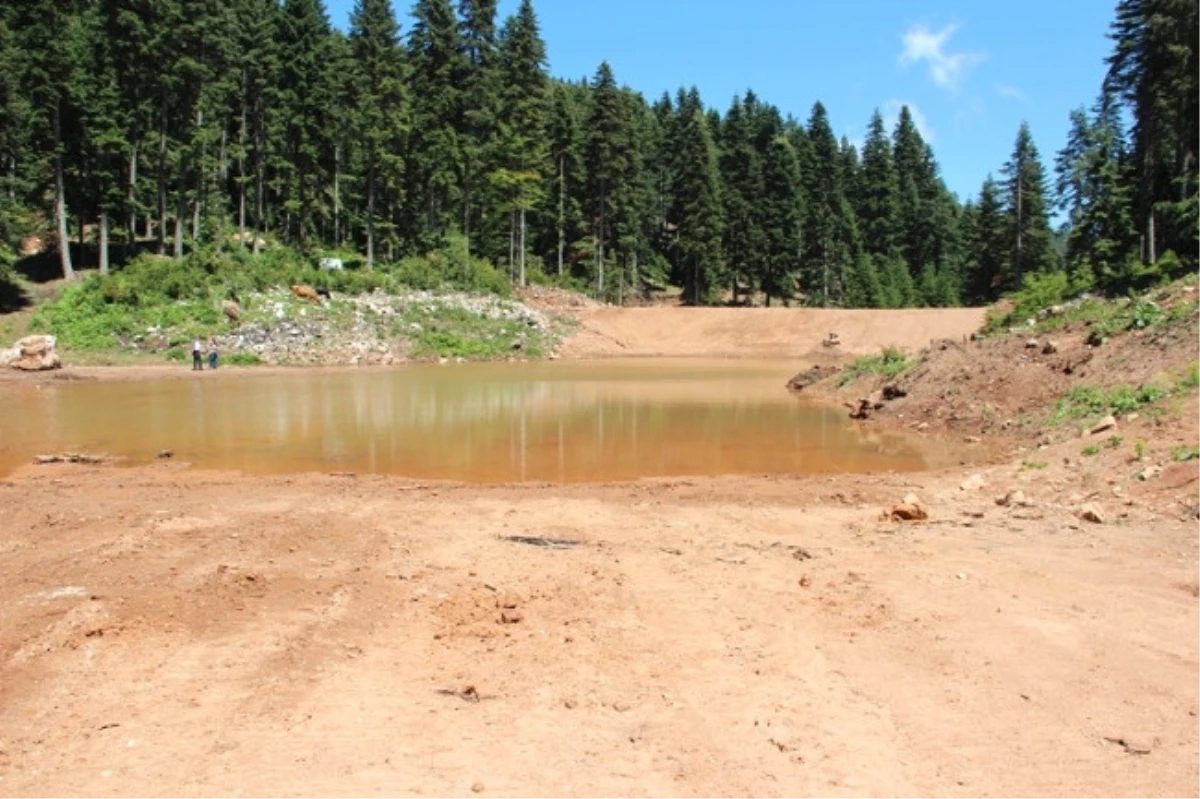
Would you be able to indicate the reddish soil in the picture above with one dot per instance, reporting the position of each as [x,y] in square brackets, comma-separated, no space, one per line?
[170,631]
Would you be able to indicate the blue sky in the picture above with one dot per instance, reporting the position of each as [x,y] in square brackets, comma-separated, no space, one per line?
[971,72]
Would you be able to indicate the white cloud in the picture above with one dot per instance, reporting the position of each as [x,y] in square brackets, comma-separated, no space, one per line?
[1005,90]
[891,113]
[946,68]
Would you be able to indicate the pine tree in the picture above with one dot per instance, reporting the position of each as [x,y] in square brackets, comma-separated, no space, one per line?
[522,124]
[742,184]
[257,23]
[697,211]
[781,212]
[305,102]
[379,101]
[436,63]
[482,85]
[605,158]
[47,74]
[986,245]
[1029,236]
[564,140]
[877,205]
[15,122]
[829,232]
[1153,70]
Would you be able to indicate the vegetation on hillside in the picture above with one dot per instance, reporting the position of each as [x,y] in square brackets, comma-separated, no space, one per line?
[194,126]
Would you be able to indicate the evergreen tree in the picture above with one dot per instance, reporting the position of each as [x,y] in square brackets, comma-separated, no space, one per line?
[522,124]
[605,159]
[829,232]
[742,184]
[781,213]
[986,245]
[564,140]
[379,101]
[877,206]
[1153,70]
[257,23]
[1092,188]
[482,85]
[436,63]
[47,74]
[696,214]
[1028,226]
[305,102]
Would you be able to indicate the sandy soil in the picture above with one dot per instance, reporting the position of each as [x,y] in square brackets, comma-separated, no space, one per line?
[761,332]
[170,631]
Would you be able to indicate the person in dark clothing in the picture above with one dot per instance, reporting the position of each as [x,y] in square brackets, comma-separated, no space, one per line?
[212,353]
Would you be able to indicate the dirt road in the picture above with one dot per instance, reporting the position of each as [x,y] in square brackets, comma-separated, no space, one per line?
[172,632]
[761,332]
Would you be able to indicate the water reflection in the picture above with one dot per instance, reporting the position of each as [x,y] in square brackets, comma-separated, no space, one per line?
[493,422]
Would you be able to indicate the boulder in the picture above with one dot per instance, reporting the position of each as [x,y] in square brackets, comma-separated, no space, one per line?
[816,374]
[1107,423]
[972,483]
[32,354]
[909,509]
[1091,513]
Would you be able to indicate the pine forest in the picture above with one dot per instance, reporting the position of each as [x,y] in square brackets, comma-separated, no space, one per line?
[177,127]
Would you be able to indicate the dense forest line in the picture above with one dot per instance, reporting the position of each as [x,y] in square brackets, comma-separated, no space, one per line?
[176,124]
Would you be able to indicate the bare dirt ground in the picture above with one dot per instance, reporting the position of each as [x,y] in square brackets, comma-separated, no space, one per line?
[166,630]
[761,332]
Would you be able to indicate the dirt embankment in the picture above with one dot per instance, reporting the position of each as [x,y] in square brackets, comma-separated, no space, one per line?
[761,332]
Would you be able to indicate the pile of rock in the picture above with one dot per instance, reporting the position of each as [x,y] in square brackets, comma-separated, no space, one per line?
[32,354]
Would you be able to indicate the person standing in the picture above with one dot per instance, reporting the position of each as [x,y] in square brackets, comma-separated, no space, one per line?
[197,354]
[212,352]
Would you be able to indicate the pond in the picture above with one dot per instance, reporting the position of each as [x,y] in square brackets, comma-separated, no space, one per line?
[566,421]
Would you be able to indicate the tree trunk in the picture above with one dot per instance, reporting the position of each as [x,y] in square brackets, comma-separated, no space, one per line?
[1020,264]
[82,244]
[337,174]
[162,185]
[104,242]
[562,194]
[60,198]
[222,179]
[180,211]
[131,194]
[1150,238]
[522,248]
[200,181]
[371,207]
[258,191]
[600,248]
[512,226]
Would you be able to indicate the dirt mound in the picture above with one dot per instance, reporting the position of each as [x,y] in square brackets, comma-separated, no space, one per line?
[761,332]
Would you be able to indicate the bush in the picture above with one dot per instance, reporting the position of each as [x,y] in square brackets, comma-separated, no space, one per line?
[889,363]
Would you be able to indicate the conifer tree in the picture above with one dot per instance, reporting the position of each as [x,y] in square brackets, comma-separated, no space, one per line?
[877,207]
[564,140]
[1028,225]
[522,142]
[481,85]
[780,210]
[436,65]
[379,101]
[696,214]
[605,159]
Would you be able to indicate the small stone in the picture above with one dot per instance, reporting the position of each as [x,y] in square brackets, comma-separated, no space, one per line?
[570,704]
[1091,513]
[1149,473]
[1031,344]
[511,616]
[972,483]
[805,581]
[1050,348]
[477,787]
[909,510]
[1013,498]
[1131,417]
[1107,423]
[165,453]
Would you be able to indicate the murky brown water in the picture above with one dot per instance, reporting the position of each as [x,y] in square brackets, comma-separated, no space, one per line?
[564,421]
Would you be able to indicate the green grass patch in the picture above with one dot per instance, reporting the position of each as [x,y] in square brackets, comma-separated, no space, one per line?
[1032,465]
[1183,453]
[447,331]
[1091,450]
[242,359]
[889,363]
[1088,400]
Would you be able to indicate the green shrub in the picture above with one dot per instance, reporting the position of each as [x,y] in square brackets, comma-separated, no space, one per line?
[1090,450]
[1183,453]
[889,363]
[242,359]
[1038,292]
